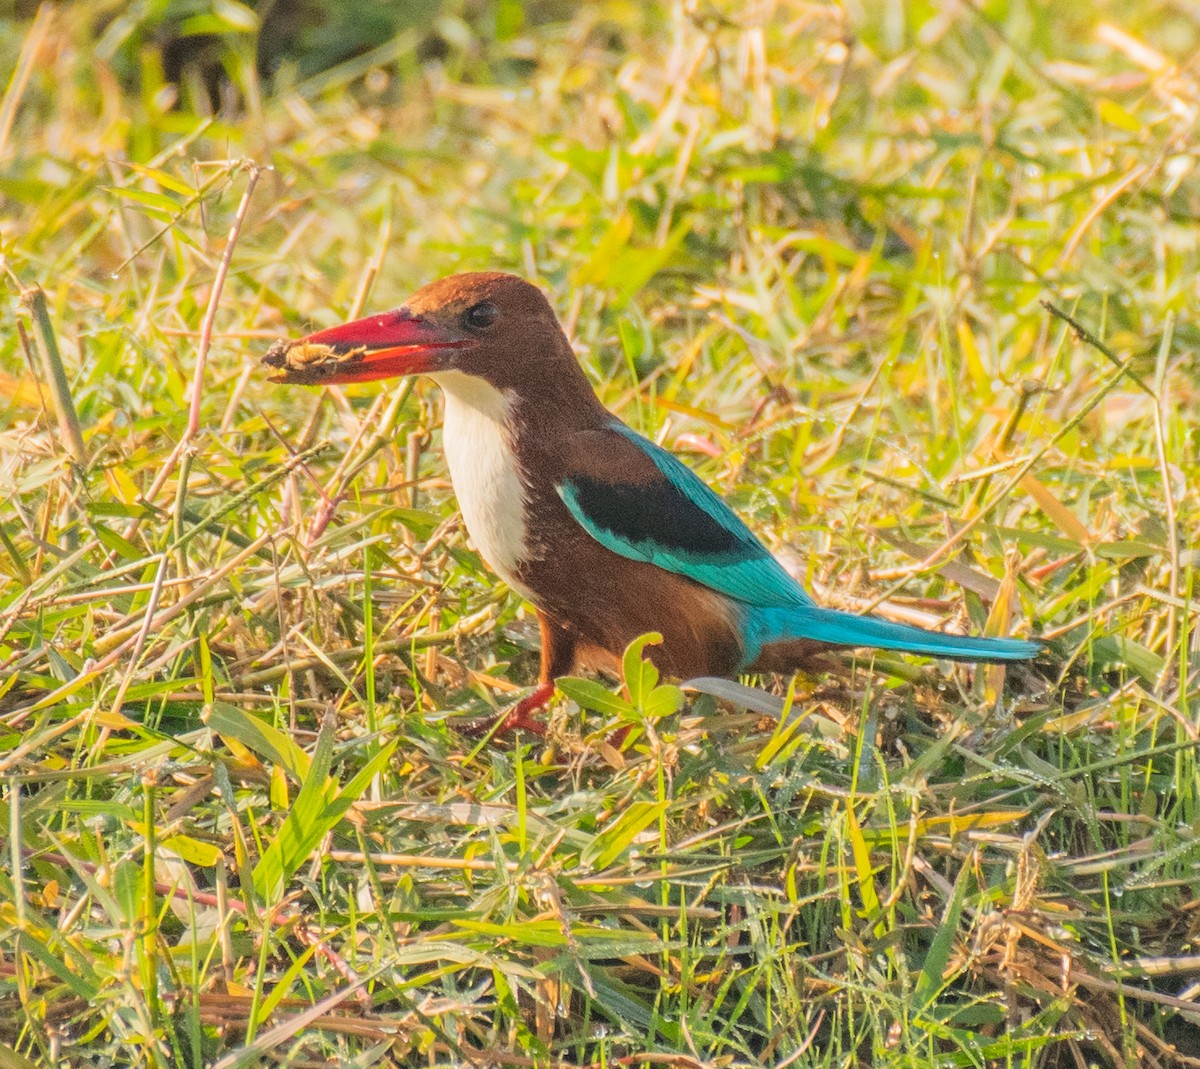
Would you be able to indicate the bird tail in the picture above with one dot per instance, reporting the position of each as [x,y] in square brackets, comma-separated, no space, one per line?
[768,626]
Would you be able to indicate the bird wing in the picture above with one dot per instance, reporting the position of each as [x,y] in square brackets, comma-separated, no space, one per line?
[642,503]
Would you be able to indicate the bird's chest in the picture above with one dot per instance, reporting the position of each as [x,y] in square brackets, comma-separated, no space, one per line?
[487,476]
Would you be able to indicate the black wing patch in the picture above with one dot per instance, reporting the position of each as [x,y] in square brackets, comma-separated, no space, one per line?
[661,515]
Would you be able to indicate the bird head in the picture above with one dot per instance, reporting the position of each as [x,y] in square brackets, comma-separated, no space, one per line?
[489,325]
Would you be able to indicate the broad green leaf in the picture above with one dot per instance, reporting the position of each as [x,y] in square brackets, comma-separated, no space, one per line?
[862,864]
[1064,519]
[1113,114]
[930,982]
[611,843]
[192,850]
[1118,648]
[588,694]
[167,181]
[599,941]
[640,675]
[317,810]
[598,268]
[1129,549]
[787,735]
[86,988]
[258,737]
[635,267]
[362,780]
[127,889]
[119,545]
[663,701]
[279,788]
[158,204]
[285,983]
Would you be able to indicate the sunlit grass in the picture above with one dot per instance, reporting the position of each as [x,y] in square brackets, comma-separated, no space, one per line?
[806,248]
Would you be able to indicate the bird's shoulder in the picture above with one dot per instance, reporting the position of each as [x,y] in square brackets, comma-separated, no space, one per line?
[611,453]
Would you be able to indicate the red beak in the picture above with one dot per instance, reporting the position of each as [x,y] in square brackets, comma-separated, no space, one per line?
[378,347]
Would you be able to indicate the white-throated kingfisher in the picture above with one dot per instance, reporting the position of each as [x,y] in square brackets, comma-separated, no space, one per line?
[608,535]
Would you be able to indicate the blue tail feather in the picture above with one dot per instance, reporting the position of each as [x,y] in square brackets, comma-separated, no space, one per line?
[766,626]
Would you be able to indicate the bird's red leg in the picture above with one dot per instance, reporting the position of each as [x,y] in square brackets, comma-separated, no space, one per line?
[558,658]
[521,716]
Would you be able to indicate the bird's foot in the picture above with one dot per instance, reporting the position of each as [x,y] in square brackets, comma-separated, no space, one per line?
[616,739]
[519,718]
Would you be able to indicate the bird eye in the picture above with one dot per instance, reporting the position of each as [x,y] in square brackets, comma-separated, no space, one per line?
[480,316]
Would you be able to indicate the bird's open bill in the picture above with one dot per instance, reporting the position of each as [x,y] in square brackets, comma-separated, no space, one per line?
[377,347]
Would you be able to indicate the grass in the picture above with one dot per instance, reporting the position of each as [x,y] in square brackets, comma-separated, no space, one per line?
[806,246]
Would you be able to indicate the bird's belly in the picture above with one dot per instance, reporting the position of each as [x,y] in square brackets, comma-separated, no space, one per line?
[607,601]
[486,476]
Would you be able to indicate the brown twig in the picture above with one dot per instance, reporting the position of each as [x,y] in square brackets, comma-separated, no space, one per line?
[1088,338]
[210,313]
[181,454]
[1160,441]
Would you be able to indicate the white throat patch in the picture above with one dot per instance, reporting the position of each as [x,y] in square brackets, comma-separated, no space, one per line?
[484,471]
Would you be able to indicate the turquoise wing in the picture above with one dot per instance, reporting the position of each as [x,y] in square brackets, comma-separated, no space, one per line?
[651,507]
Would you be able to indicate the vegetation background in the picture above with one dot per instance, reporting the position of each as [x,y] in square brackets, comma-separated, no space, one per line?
[803,243]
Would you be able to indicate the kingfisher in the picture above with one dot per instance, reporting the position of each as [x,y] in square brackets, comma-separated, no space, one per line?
[608,535]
